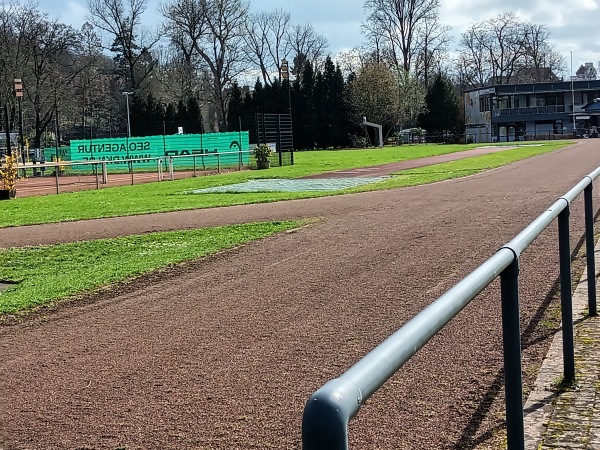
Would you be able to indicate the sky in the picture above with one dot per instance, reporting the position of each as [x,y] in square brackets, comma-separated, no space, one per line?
[573,23]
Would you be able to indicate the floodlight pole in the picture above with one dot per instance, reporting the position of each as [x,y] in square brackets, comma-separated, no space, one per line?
[18,85]
[127,94]
[573,96]
[285,75]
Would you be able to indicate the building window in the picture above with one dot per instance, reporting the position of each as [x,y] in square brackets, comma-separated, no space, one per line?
[484,103]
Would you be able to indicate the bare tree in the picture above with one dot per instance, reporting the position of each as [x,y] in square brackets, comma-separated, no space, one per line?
[497,46]
[401,22]
[473,64]
[431,43]
[185,24]
[16,37]
[306,46]
[213,30]
[130,41]
[51,64]
[375,44]
[541,59]
[265,38]
[505,49]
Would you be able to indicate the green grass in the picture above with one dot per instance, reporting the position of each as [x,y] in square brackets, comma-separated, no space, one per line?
[46,274]
[170,196]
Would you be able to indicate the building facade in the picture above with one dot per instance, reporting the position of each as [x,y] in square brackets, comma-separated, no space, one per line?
[527,111]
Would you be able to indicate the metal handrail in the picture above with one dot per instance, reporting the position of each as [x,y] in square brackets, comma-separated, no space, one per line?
[102,177]
[329,409]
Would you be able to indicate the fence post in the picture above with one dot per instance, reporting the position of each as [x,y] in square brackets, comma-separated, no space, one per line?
[171,175]
[511,334]
[56,169]
[589,244]
[104,173]
[566,300]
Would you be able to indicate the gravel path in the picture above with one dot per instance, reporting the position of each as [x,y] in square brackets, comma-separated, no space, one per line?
[224,352]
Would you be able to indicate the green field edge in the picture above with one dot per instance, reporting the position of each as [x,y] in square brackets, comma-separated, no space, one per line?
[44,276]
[142,199]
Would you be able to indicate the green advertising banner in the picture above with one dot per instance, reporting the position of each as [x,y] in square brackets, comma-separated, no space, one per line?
[116,150]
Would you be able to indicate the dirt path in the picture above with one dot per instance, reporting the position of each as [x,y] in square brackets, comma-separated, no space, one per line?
[112,227]
[223,353]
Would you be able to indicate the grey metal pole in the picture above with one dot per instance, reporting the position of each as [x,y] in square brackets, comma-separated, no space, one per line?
[511,332]
[7,130]
[56,168]
[566,300]
[589,246]
[104,173]
[128,121]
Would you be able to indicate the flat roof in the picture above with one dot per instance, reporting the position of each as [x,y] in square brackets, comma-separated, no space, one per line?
[533,88]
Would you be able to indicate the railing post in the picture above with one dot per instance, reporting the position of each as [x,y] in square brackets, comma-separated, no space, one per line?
[589,246]
[511,333]
[56,169]
[104,173]
[171,174]
[566,300]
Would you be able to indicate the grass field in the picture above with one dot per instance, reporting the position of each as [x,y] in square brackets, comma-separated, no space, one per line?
[170,196]
[46,274]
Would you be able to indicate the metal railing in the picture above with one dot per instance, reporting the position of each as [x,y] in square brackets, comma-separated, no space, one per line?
[524,111]
[99,174]
[330,408]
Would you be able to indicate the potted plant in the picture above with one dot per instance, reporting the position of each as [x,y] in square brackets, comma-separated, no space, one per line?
[9,175]
[262,153]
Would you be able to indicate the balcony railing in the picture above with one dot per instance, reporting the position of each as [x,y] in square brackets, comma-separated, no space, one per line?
[534,110]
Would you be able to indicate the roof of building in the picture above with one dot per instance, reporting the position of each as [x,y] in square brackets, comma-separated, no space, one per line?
[532,88]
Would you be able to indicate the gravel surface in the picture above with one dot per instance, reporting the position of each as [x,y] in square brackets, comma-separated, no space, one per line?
[225,351]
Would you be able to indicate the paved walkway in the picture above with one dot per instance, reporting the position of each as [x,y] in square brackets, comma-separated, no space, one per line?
[569,419]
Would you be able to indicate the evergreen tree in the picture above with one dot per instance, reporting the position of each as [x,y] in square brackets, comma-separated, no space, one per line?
[234,112]
[305,122]
[194,116]
[137,115]
[442,102]
[182,114]
[170,119]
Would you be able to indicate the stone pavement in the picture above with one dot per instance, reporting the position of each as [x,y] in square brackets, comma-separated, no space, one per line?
[568,419]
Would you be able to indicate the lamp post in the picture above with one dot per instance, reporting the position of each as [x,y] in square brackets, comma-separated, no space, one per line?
[573,96]
[127,94]
[285,75]
[19,96]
